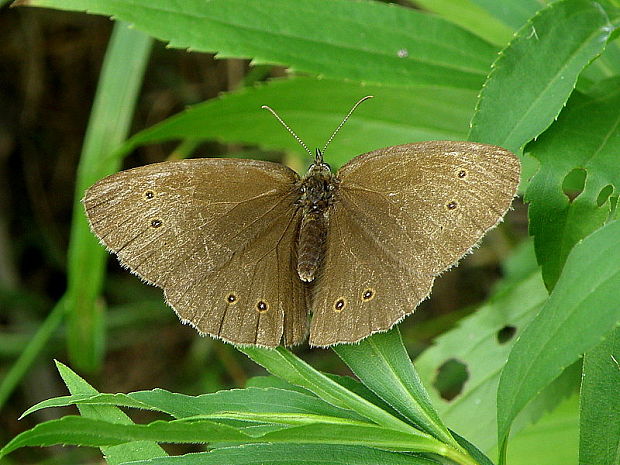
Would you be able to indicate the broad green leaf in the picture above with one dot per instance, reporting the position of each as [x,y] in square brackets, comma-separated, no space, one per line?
[582,309]
[513,13]
[361,41]
[381,362]
[292,454]
[534,75]
[475,344]
[113,454]
[249,400]
[605,66]
[470,17]
[585,137]
[599,440]
[551,441]
[98,433]
[313,108]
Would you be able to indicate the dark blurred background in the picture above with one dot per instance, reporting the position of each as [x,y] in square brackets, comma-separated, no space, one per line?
[49,67]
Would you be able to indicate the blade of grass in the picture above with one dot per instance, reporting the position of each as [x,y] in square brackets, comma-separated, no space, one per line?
[111,116]
[34,348]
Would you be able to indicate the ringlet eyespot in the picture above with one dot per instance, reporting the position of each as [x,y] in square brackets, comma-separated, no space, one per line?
[247,250]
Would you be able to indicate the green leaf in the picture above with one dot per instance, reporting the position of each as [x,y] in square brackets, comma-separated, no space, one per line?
[270,381]
[470,17]
[347,382]
[475,344]
[551,441]
[97,433]
[287,366]
[599,440]
[513,13]
[556,222]
[472,450]
[330,38]
[381,362]
[240,400]
[292,454]
[392,117]
[582,309]
[249,400]
[534,75]
[284,364]
[114,454]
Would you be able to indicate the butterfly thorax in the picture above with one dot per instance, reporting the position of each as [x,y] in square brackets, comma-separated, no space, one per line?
[317,194]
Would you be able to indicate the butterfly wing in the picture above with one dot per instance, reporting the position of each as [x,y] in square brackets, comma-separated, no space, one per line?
[205,230]
[403,215]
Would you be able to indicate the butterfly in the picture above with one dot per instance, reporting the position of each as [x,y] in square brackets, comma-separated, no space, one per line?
[254,254]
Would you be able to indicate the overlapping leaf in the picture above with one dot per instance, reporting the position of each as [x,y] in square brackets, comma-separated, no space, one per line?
[582,309]
[475,344]
[392,117]
[324,37]
[585,137]
[600,404]
[534,75]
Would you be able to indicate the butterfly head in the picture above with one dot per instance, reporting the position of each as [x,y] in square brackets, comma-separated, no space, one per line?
[319,166]
[318,185]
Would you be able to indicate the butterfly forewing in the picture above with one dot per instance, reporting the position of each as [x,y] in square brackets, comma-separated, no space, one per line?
[205,230]
[414,211]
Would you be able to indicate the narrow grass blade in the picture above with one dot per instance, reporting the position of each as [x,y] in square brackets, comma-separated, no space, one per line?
[35,347]
[112,113]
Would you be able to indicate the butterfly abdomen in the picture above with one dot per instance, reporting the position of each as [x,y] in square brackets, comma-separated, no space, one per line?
[317,189]
[311,244]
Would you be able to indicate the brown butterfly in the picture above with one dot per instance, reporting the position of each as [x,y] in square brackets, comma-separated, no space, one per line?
[247,251]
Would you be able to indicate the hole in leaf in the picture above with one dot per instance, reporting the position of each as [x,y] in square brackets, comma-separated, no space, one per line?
[573,183]
[604,194]
[450,379]
[506,334]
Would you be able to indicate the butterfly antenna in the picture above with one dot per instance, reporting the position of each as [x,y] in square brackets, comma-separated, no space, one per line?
[344,121]
[288,129]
